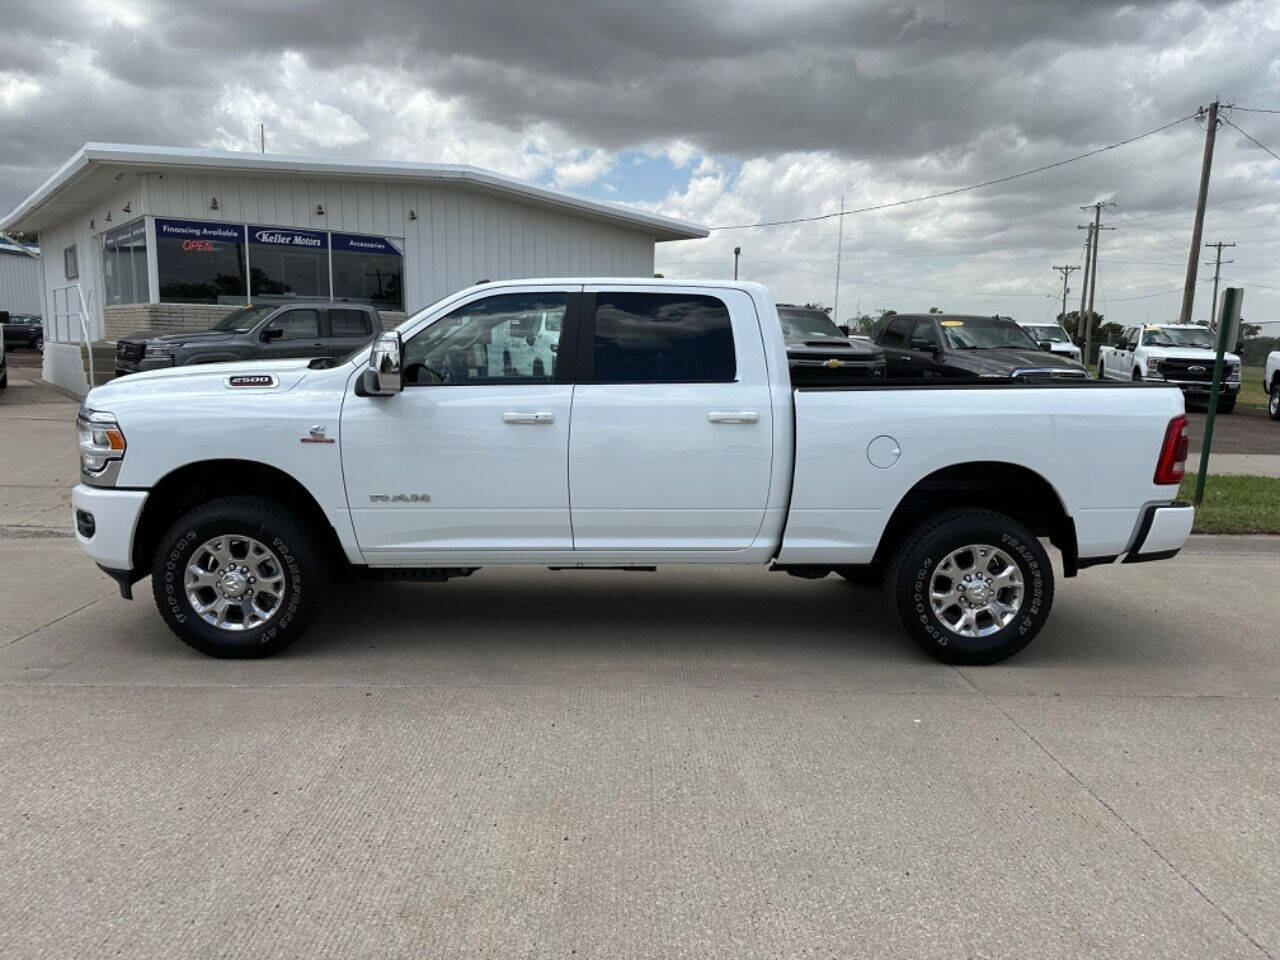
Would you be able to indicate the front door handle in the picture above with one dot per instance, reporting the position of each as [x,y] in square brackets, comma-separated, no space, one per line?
[733,416]
[512,417]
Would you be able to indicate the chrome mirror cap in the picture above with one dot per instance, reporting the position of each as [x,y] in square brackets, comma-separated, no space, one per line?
[384,378]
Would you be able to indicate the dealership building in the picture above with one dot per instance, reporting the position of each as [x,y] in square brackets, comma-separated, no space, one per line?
[137,238]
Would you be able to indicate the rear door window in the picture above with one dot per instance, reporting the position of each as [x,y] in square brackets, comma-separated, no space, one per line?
[349,324]
[662,338]
[895,334]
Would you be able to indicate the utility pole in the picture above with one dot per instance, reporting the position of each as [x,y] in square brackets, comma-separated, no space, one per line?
[1217,271]
[736,253]
[835,307]
[1095,232]
[1084,286]
[1193,261]
[262,137]
[1066,272]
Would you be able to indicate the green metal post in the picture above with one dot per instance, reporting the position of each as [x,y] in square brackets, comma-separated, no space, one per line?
[1231,298]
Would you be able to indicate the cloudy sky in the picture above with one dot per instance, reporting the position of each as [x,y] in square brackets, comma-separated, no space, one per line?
[727,113]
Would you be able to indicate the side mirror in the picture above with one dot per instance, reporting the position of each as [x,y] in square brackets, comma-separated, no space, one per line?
[383,377]
[271,333]
[1046,346]
[927,346]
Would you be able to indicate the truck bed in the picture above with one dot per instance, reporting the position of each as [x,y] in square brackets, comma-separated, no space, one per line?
[860,449]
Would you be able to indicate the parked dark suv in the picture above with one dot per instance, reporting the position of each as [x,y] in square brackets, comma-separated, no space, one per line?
[23,330]
[259,331]
[943,345]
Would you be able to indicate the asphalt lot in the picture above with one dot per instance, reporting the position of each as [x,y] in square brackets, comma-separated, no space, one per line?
[712,763]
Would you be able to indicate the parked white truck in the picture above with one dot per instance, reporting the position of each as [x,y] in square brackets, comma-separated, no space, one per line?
[1271,383]
[620,424]
[1182,355]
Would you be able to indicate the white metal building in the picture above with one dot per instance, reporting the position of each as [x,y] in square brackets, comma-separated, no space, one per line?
[19,281]
[169,238]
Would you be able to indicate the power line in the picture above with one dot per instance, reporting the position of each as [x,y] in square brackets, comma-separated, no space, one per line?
[1252,140]
[1254,110]
[955,190]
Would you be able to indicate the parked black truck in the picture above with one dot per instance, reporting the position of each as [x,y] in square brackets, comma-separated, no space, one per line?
[947,345]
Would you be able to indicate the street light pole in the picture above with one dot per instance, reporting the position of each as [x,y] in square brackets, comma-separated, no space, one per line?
[736,252]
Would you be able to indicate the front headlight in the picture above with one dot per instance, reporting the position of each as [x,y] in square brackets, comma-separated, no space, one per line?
[101,443]
[1153,371]
[1233,371]
[159,350]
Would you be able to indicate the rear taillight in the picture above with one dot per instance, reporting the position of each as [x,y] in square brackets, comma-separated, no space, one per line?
[1173,452]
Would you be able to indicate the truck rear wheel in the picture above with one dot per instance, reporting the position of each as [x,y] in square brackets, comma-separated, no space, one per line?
[971,586]
[239,577]
[1273,405]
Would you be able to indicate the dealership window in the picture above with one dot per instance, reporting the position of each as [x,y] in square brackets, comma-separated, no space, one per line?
[124,264]
[199,262]
[230,263]
[662,338]
[367,270]
[284,262]
[70,266]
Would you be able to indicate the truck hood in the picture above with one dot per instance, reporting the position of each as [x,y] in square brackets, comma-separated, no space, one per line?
[1188,353]
[832,346]
[205,378]
[183,336]
[1003,362]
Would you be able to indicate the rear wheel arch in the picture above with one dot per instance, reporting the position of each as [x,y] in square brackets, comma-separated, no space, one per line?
[1007,488]
[195,484]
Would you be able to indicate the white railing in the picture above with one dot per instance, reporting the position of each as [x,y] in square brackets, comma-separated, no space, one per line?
[62,320]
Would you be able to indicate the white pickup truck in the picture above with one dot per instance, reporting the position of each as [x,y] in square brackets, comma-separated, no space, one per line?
[1182,355]
[620,424]
[1271,383]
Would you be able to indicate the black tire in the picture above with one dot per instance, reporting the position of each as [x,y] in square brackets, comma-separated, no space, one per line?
[1137,375]
[1226,406]
[1273,405]
[301,564]
[925,548]
[870,575]
[1102,370]
[38,343]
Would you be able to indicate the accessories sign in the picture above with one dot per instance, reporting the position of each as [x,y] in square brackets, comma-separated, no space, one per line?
[355,243]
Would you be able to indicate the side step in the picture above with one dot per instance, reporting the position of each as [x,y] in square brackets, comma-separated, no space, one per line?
[417,574]
[624,569]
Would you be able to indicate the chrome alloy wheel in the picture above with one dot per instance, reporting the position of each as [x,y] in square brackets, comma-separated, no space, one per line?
[976,591]
[1274,404]
[235,583]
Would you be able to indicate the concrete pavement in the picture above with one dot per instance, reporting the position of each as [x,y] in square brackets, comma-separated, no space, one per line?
[705,763]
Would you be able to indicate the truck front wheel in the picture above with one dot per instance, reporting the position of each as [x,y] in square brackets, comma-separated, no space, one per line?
[239,577]
[971,586]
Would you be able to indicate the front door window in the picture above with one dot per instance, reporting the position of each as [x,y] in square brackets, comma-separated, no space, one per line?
[509,338]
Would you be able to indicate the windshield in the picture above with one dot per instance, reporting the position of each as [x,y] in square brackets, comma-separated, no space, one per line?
[798,324]
[1048,331]
[986,333]
[244,319]
[1178,337]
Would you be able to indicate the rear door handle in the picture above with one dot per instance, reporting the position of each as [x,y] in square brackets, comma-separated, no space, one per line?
[733,416]
[513,417]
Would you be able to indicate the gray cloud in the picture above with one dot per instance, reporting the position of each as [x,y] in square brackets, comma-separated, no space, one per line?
[879,99]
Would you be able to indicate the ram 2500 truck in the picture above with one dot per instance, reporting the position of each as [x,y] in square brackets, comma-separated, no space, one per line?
[622,424]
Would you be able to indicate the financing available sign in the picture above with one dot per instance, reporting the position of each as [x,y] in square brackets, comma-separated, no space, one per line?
[198,236]
[288,237]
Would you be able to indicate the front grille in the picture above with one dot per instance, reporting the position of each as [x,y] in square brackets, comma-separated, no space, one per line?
[129,352]
[1174,369]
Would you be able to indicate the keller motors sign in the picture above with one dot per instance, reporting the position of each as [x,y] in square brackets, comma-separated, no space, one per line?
[288,237]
